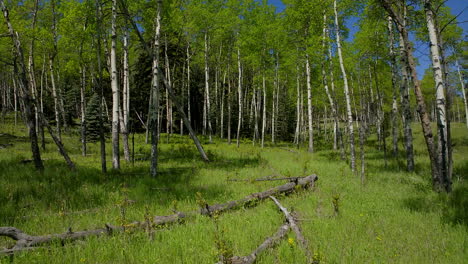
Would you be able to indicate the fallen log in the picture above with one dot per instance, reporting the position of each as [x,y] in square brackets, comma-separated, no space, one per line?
[269,242]
[295,228]
[265,179]
[25,241]
[290,150]
[305,182]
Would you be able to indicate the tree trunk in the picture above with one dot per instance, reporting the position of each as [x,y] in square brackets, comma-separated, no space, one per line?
[126,98]
[298,108]
[465,100]
[346,91]
[443,182]
[154,106]
[239,91]
[102,139]
[223,90]
[54,95]
[23,84]
[229,108]
[422,110]
[405,104]
[394,90]
[309,106]
[115,91]
[207,89]
[264,109]
[83,111]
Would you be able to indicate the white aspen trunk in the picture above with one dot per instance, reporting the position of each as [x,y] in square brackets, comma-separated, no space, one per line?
[441,110]
[83,111]
[394,90]
[229,107]
[15,100]
[188,84]
[169,122]
[239,91]
[126,98]
[56,100]
[346,91]
[154,106]
[221,131]
[264,109]
[274,105]
[309,106]
[115,91]
[207,89]
[298,107]
[331,98]
[465,101]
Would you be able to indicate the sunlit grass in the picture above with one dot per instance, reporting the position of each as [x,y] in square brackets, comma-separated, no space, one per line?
[394,217]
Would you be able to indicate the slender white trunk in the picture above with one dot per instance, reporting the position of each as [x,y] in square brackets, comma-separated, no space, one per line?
[115,90]
[346,91]
[239,91]
[264,109]
[188,84]
[229,107]
[207,89]
[309,106]
[441,110]
[154,106]
[394,90]
[298,107]
[221,130]
[126,98]
[56,100]
[465,101]
[83,110]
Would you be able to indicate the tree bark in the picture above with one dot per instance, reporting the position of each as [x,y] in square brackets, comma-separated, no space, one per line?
[346,91]
[465,100]
[239,91]
[155,90]
[394,90]
[406,110]
[207,90]
[102,139]
[422,110]
[126,98]
[24,85]
[309,106]
[443,182]
[115,91]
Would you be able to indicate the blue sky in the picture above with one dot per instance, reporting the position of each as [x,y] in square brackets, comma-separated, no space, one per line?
[422,52]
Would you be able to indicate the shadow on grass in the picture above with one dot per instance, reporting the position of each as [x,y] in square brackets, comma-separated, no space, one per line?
[57,189]
[453,206]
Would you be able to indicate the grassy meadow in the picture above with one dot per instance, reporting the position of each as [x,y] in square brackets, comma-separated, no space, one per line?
[394,217]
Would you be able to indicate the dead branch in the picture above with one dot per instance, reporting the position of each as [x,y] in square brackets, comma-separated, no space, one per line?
[26,241]
[266,179]
[305,182]
[290,150]
[269,242]
[295,228]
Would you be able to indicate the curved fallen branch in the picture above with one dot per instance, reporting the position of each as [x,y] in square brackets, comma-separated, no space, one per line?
[295,228]
[269,242]
[25,241]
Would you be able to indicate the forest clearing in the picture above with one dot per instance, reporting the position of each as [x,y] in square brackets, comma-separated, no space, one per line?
[393,217]
[233,131]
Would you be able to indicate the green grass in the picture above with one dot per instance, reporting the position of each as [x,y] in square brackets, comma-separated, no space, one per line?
[393,218]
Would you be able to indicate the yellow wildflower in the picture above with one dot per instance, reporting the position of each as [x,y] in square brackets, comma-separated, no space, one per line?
[291,241]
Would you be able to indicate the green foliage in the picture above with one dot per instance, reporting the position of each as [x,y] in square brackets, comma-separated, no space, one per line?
[93,116]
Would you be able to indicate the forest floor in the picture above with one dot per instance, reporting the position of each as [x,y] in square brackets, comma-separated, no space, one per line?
[394,217]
